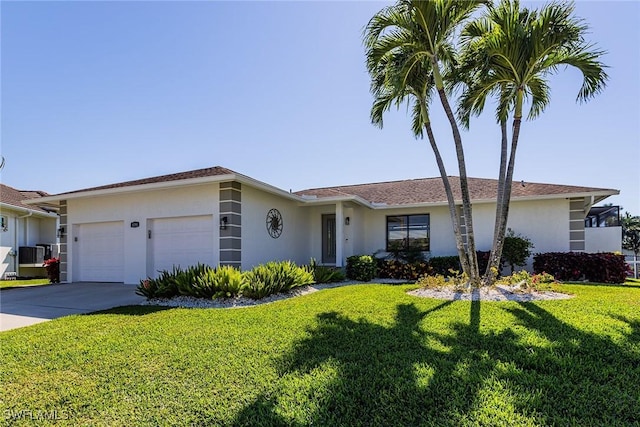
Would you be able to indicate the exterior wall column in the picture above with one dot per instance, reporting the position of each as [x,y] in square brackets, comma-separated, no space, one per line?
[577,212]
[231,235]
[339,235]
[64,248]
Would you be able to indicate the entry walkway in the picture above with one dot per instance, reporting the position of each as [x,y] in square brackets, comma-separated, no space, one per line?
[30,305]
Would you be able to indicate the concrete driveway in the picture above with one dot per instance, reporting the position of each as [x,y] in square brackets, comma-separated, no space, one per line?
[29,305]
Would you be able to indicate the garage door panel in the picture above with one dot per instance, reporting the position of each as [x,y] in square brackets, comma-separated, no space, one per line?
[182,241]
[101,252]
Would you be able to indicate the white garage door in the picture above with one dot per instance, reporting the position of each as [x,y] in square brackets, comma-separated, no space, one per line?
[183,241]
[100,252]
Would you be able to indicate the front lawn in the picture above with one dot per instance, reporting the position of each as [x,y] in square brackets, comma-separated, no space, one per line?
[366,355]
[7,284]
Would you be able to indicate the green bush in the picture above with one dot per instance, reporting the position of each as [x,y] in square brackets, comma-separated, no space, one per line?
[202,281]
[324,274]
[361,267]
[229,282]
[275,277]
[222,282]
[516,249]
[186,279]
[162,287]
[432,282]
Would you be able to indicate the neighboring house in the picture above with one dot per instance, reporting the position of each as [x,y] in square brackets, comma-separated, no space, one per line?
[127,231]
[27,233]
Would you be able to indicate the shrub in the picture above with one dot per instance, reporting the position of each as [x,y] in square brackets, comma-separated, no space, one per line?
[394,269]
[324,274]
[527,282]
[52,265]
[570,266]
[442,264]
[162,287]
[222,282]
[361,267]
[274,277]
[186,279]
[432,282]
[516,249]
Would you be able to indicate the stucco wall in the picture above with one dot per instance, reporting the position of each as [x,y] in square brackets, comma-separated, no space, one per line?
[141,207]
[24,231]
[545,222]
[257,245]
[603,239]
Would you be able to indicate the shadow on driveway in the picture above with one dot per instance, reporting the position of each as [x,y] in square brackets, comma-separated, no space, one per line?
[30,305]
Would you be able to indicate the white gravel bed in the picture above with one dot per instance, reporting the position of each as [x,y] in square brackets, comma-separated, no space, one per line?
[496,293]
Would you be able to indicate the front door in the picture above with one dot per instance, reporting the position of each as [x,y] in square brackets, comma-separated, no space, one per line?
[328,239]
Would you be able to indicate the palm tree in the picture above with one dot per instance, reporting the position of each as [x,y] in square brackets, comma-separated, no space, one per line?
[407,46]
[509,53]
[631,237]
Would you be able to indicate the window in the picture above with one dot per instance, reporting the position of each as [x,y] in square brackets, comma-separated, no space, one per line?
[405,231]
[603,216]
[4,223]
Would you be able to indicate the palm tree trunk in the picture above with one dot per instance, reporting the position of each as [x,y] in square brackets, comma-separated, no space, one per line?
[494,259]
[474,275]
[504,215]
[453,212]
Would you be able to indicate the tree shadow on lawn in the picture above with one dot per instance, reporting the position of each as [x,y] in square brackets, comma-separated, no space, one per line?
[351,372]
[131,310]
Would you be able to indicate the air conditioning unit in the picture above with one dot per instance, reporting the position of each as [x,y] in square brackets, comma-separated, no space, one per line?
[47,249]
[31,255]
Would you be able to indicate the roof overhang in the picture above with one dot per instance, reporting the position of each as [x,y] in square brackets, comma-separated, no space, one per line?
[596,197]
[55,200]
[27,211]
[318,201]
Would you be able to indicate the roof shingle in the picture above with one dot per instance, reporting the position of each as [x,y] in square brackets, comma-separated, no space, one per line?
[14,197]
[198,173]
[431,190]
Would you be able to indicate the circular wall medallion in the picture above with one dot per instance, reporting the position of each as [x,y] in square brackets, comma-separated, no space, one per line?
[274,223]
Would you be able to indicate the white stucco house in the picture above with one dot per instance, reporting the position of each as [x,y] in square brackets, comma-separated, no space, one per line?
[127,231]
[27,233]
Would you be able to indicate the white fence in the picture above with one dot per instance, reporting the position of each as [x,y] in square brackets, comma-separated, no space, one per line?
[634,263]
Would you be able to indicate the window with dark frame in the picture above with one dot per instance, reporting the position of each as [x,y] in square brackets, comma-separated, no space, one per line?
[408,231]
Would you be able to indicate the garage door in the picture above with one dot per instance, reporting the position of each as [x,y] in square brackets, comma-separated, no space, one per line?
[182,241]
[100,252]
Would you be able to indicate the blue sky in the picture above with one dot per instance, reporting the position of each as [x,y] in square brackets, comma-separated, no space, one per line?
[101,92]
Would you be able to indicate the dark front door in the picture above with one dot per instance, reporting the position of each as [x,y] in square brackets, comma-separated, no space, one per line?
[328,239]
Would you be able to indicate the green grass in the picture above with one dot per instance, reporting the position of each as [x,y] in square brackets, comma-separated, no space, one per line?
[8,284]
[367,355]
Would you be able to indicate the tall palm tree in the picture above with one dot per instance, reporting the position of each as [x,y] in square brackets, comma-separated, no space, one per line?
[509,53]
[408,44]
